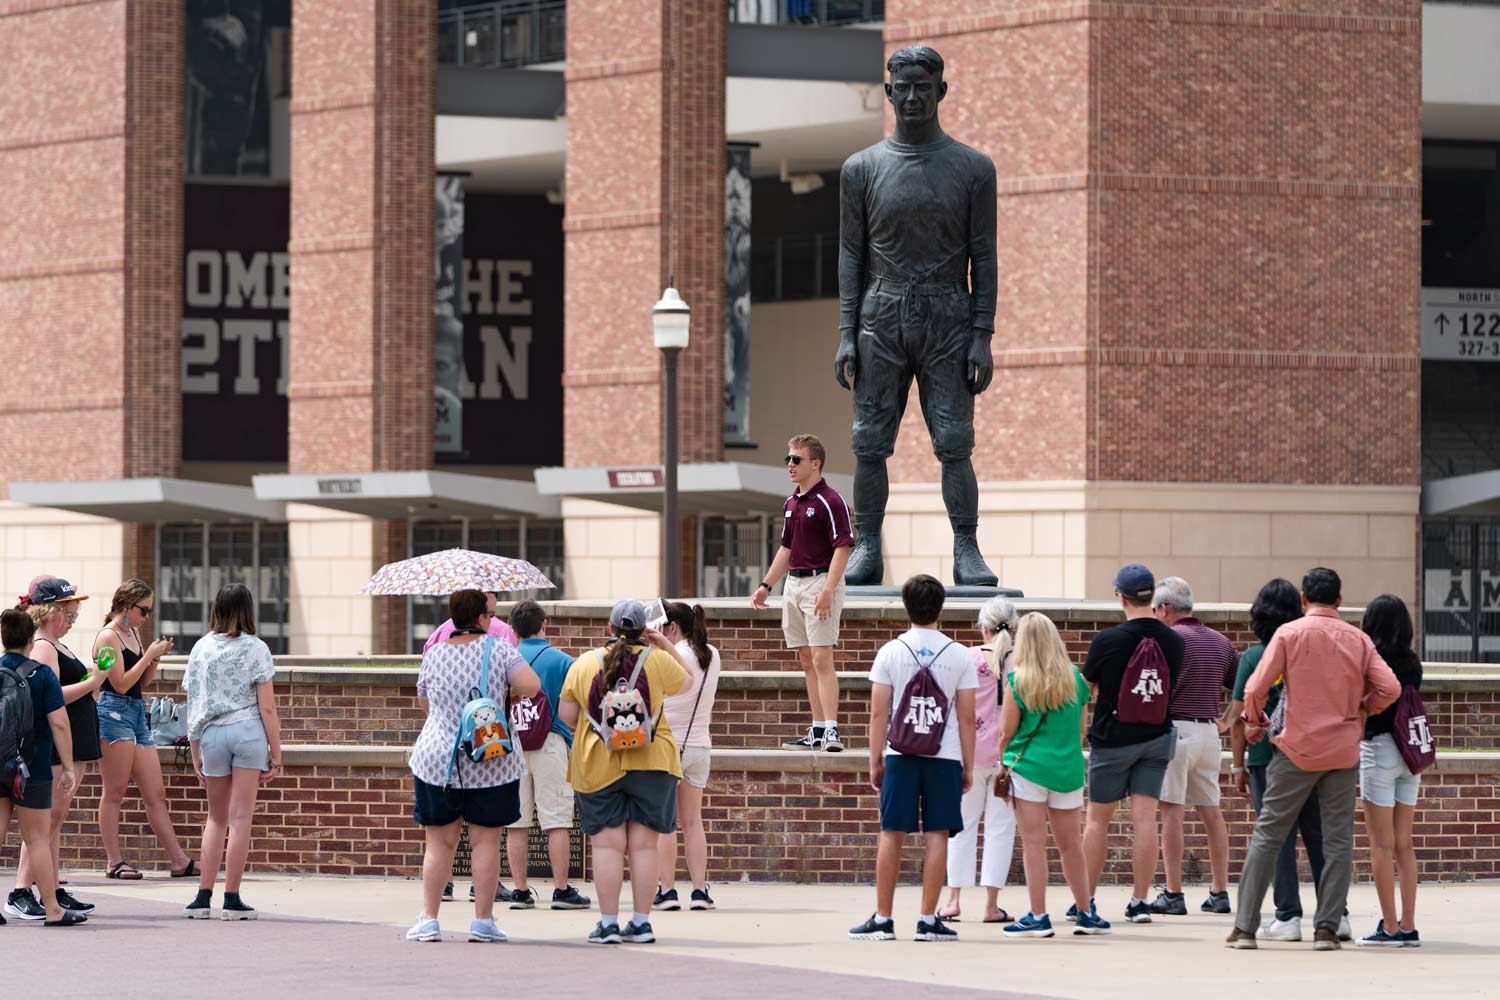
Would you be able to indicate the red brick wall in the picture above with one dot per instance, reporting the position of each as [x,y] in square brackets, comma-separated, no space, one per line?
[645,183]
[91,156]
[364,96]
[1169,175]
[773,826]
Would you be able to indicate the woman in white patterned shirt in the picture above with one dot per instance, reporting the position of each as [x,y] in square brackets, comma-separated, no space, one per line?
[235,734]
[485,794]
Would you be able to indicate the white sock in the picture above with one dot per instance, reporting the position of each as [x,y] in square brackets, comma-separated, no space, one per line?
[639,918]
[927,917]
[882,917]
[1133,901]
[609,919]
[830,724]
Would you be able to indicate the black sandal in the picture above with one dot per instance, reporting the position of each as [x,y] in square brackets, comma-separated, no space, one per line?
[70,918]
[124,871]
[188,872]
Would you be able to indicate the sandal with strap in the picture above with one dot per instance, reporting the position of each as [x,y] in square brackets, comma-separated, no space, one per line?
[125,871]
[187,872]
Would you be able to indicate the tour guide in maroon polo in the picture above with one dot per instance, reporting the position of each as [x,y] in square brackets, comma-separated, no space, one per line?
[816,538]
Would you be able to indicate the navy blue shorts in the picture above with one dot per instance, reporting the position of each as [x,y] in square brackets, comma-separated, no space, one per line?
[922,794]
[439,806]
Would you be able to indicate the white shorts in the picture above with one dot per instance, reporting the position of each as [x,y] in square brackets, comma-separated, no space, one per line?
[544,790]
[800,623]
[696,763]
[1030,791]
[1192,777]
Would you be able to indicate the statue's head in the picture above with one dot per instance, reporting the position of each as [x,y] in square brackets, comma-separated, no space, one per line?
[916,84]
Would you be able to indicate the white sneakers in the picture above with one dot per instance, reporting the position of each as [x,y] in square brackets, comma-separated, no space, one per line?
[1281,930]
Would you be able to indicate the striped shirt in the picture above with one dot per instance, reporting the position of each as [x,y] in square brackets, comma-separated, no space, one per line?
[813,524]
[1209,663]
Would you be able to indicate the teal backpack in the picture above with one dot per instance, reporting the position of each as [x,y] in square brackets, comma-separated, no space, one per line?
[482,732]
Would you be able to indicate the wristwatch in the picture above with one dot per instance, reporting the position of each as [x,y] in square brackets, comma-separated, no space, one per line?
[1236,769]
[766,585]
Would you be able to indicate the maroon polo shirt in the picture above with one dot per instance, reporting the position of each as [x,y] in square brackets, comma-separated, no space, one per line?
[1209,663]
[813,524]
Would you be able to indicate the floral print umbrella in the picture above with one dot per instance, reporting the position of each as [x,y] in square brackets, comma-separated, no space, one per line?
[456,569]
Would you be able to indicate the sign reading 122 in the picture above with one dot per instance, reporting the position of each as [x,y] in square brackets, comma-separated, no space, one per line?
[1461,324]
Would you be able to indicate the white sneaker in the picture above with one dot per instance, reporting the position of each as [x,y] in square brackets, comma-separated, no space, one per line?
[425,929]
[1346,933]
[1281,930]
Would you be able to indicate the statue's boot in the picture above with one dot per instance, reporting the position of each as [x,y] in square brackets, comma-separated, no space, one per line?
[867,562]
[969,567]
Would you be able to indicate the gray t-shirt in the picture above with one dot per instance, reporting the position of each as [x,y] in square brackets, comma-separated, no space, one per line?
[917,213]
[223,673]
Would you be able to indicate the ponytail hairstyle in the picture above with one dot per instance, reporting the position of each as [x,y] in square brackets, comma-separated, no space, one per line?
[999,616]
[614,656]
[689,620]
[132,591]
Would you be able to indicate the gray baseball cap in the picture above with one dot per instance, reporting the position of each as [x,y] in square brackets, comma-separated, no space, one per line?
[628,616]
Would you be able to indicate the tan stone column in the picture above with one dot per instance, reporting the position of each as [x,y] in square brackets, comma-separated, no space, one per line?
[360,387]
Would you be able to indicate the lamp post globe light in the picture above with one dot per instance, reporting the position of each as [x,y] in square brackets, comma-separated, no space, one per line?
[670,319]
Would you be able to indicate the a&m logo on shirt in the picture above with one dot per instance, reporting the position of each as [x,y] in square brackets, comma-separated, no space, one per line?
[1148,685]
[811,512]
[923,713]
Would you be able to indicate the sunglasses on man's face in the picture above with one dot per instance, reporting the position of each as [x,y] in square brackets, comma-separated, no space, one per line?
[793,460]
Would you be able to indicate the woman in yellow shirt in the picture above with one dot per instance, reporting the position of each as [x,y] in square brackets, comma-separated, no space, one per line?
[626,797]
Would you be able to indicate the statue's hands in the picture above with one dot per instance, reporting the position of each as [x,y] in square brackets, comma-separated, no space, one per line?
[981,363]
[844,363]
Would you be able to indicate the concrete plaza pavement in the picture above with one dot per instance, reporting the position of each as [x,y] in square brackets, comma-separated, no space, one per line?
[343,936]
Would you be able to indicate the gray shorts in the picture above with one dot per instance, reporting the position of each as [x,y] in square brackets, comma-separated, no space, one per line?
[645,797]
[240,744]
[1139,769]
[696,764]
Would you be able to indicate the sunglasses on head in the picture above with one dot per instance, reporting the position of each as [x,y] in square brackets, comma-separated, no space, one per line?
[793,460]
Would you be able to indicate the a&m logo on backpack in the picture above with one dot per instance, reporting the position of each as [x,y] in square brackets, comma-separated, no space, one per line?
[922,714]
[1148,685]
[1418,735]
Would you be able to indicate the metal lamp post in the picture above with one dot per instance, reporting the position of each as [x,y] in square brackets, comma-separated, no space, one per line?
[669,324]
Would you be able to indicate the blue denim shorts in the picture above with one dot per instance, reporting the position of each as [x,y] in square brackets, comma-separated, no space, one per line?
[240,744]
[123,720]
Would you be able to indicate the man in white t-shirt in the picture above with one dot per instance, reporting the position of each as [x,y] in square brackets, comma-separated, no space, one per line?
[922,784]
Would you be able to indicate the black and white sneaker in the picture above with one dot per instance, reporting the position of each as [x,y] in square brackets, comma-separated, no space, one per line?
[522,899]
[22,905]
[235,908]
[66,901]
[812,741]
[1072,913]
[635,933]
[1138,911]
[935,930]
[1169,904]
[448,892]
[702,900]
[1382,938]
[569,899]
[1217,902]
[502,894]
[201,908]
[831,741]
[605,933]
[666,900]
[874,929]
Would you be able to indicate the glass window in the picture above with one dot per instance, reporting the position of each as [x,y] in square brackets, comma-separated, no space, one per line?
[1460,215]
[735,556]
[195,560]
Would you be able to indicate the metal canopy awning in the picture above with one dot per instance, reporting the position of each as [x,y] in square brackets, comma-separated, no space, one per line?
[150,500]
[398,495]
[702,488]
[1478,493]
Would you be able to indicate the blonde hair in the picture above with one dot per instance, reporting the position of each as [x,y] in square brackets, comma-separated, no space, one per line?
[812,444]
[999,616]
[1044,674]
[41,614]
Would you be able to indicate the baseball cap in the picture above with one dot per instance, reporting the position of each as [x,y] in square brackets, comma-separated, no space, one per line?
[628,616]
[1134,580]
[53,590]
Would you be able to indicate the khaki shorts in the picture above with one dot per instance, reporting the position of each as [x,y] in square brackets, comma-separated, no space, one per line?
[544,789]
[799,619]
[1193,775]
[695,765]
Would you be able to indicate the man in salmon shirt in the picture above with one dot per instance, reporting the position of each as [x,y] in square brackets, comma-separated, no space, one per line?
[1333,679]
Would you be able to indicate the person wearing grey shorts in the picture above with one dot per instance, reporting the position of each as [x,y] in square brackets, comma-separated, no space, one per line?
[235,735]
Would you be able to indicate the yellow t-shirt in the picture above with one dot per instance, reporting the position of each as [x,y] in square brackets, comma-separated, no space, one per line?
[593,766]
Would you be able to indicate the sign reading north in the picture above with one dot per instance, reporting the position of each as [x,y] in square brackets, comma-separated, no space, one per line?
[1461,324]
[236,324]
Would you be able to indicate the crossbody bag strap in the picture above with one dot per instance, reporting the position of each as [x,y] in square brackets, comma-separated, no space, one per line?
[702,683]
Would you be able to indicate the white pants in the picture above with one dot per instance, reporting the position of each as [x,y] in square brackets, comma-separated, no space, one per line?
[999,835]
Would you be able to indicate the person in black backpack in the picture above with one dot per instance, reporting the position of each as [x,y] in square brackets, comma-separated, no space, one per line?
[923,688]
[1387,784]
[27,770]
[1132,668]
